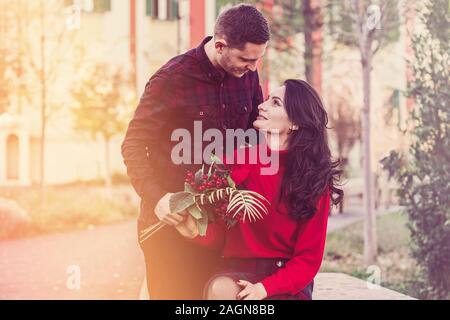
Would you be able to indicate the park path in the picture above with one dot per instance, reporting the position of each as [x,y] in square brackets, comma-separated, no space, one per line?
[354,214]
[109,259]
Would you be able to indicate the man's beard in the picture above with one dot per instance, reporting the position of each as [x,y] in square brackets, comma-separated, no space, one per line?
[230,69]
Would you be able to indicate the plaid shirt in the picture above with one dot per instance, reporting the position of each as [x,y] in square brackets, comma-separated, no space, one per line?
[188,88]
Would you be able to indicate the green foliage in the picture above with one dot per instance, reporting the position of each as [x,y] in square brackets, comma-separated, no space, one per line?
[5,80]
[285,19]
[14,220]
[342,25]
[344,253]
[180,201]
[70,208]
[424,173]
[103,100]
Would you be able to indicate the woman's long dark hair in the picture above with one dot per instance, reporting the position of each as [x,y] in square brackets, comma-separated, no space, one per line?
[309,171]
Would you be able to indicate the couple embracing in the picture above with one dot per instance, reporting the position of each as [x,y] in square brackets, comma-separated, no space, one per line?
[217,83]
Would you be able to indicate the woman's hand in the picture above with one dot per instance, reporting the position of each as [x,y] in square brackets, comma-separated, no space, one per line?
[251,291]
[188,228]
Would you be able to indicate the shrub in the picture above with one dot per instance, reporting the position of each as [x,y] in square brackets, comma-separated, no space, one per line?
[13,219]
[424,173]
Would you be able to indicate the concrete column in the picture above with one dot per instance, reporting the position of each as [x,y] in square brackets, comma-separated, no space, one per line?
[197,22]
[210,17]
[185,28]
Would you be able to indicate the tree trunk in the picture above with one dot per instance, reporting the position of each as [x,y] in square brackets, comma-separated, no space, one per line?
[370,241]
[43,104]
[307,17]
[108,183]
[312,15]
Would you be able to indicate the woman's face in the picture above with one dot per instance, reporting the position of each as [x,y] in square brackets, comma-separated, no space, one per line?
[272,113]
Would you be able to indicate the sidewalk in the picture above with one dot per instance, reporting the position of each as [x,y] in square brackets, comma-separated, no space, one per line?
[109,259]
[354,214]
[339,286]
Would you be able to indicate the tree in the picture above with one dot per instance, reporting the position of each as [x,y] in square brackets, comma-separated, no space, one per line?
[313,22]
[367,25]
[5,80]
[291,17]
[19,59]
[345,123]
[288,18]
[103,99]
[424,172]
[6,55]
[47,48]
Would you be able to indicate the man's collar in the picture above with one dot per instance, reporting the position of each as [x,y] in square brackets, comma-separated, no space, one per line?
[211,72]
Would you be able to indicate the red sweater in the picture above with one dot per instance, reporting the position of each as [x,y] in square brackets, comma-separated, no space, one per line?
[275,236]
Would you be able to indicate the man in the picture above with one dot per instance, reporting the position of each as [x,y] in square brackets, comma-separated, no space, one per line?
[216,83]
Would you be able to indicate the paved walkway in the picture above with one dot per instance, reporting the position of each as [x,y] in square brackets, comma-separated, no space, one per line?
[354,214]
[109,259]
[339,286]
[110,262]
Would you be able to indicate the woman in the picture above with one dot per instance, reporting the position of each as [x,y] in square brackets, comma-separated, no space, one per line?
[278,257]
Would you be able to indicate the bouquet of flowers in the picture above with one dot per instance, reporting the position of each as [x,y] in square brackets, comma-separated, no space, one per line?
[210,195]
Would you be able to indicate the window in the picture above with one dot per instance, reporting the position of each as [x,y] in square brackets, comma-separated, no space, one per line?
[101,6]
[172,10]
[96,6]
[162,9]
[151,8]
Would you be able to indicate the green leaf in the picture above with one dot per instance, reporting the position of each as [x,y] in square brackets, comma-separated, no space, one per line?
[231,183]
[195,212]
[198,176]
[180,201]
[216,159]
[210,169]
[188,188]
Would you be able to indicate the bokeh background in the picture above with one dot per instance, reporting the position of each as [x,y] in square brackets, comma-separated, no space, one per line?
[72,71]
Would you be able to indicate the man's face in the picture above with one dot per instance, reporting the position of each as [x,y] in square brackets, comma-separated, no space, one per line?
[238,62]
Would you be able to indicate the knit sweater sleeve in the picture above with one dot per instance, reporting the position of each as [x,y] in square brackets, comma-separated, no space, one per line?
[301,269]
[214,238]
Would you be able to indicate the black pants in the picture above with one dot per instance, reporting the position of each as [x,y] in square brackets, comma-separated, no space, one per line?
[254,270]
[177,269]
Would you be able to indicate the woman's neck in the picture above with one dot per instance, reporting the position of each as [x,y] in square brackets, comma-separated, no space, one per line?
[277,142]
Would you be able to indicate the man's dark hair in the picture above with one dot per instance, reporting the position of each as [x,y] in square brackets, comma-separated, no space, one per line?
[241,24]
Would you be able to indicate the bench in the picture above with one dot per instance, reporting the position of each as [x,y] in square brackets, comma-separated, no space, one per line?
[336,286]
[340,286]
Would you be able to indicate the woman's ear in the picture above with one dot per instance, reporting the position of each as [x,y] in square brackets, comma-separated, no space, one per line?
[294,127]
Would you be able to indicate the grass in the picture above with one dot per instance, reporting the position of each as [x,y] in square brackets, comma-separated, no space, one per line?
[70,208]
[344,253]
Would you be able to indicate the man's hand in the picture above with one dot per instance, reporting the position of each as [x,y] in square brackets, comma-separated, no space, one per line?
[188,228]
[251,291]
[162,211]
